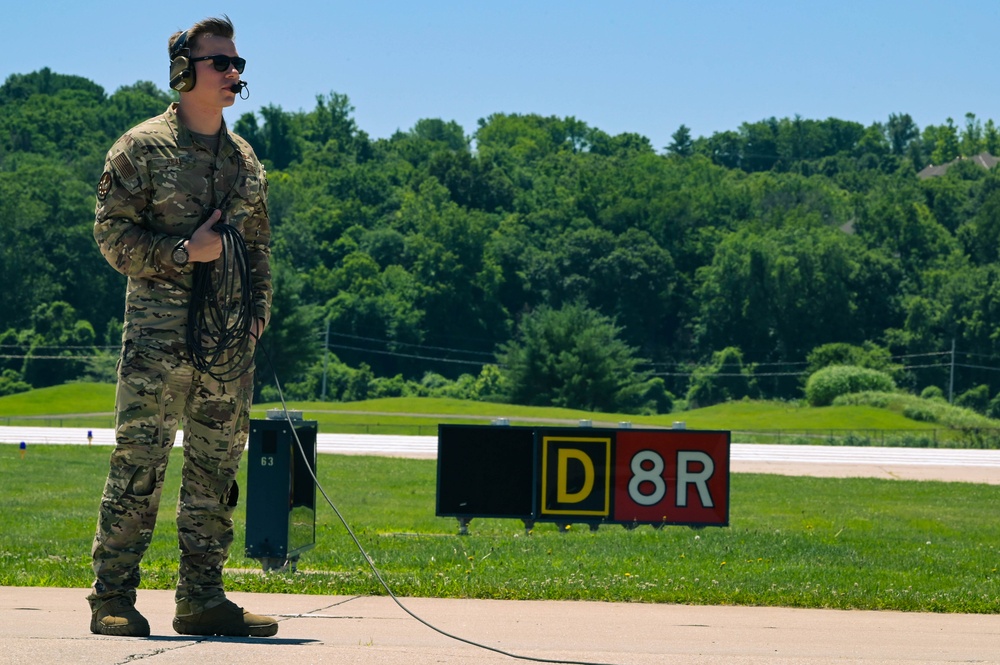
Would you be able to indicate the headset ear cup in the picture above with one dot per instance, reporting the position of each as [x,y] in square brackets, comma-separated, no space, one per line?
[181,74]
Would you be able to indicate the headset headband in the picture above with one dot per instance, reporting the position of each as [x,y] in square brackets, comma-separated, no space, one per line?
[179,45]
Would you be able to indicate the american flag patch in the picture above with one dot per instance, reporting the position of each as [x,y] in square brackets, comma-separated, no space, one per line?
[124,166]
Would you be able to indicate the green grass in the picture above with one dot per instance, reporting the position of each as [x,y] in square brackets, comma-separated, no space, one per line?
[799,542]
[69,405]
[69,398]
[752,415]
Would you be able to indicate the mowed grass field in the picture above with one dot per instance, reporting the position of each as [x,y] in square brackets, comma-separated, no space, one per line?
[792,541]
[92,405]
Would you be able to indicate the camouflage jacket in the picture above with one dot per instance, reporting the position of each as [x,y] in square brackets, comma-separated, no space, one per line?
[159,184]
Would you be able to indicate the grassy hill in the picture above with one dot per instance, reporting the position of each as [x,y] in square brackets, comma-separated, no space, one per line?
[880,420]
[97,400]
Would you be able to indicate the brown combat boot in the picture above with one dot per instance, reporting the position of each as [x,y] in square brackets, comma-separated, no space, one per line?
[226,619]
[117,616]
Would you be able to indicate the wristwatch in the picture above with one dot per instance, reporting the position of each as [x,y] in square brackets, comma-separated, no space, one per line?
[180,254]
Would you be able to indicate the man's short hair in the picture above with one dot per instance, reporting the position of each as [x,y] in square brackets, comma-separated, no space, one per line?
[220,27]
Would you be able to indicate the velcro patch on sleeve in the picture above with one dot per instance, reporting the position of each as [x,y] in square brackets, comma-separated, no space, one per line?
[124,166]
[104,186]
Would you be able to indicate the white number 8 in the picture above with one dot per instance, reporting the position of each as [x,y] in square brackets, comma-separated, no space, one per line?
[641,475]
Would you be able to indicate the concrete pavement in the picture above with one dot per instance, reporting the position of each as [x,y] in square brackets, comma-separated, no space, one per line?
[44,625]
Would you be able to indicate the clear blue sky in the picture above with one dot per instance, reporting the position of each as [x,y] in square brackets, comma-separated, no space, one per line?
[641,66]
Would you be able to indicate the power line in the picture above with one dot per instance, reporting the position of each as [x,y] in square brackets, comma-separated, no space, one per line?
[68,347]
[411,345]
[34,357]
[683,370]
[406,355]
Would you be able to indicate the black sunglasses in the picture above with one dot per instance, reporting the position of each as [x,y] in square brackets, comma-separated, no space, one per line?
[222,63]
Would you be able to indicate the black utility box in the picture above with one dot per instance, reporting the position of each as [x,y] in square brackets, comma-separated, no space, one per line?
[281,494]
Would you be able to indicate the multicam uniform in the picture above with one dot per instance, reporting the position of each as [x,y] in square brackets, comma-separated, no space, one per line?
[159,185]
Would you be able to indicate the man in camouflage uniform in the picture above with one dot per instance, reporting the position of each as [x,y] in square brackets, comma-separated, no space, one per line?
[166,182]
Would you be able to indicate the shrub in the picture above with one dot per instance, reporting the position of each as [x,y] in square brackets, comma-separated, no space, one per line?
[724,379]
[976,399]
[11,383]
[964,428]
[993,410]
[388,387]
[932,392]
[572,357]
[828,383]
[920,413]
[869,398]
[829,355]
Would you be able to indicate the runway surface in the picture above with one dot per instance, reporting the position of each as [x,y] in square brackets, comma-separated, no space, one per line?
[944,464]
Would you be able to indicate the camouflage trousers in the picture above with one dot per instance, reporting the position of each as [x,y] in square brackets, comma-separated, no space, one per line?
[157,392]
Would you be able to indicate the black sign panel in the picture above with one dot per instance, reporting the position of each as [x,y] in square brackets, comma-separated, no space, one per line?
[485,470]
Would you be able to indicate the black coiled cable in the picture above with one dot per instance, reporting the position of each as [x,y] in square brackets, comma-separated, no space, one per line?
[221,316]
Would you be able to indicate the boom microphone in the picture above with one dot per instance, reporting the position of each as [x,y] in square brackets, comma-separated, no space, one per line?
[239,87]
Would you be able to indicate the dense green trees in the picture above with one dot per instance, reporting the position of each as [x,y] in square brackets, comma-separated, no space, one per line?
[542,260]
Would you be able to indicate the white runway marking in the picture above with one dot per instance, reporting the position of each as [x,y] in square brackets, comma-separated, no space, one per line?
[426,446]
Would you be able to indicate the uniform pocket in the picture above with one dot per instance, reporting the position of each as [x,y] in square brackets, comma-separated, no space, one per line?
[176,184]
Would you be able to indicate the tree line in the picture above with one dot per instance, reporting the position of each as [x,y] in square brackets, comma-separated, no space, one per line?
[540,260]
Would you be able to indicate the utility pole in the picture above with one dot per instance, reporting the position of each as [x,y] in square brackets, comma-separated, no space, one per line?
[951,380]
[326,357]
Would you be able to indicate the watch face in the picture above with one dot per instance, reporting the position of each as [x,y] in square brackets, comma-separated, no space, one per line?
[180,256]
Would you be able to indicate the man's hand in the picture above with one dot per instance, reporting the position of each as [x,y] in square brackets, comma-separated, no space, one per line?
[205,244]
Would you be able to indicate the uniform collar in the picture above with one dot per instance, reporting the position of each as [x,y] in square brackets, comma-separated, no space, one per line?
[185,139]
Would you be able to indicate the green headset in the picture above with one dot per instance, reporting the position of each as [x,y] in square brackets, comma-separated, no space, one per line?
[182,77]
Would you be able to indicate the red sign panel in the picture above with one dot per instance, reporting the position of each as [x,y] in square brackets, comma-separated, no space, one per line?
[671,477]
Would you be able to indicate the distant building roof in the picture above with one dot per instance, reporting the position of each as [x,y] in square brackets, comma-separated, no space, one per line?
[984,159]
